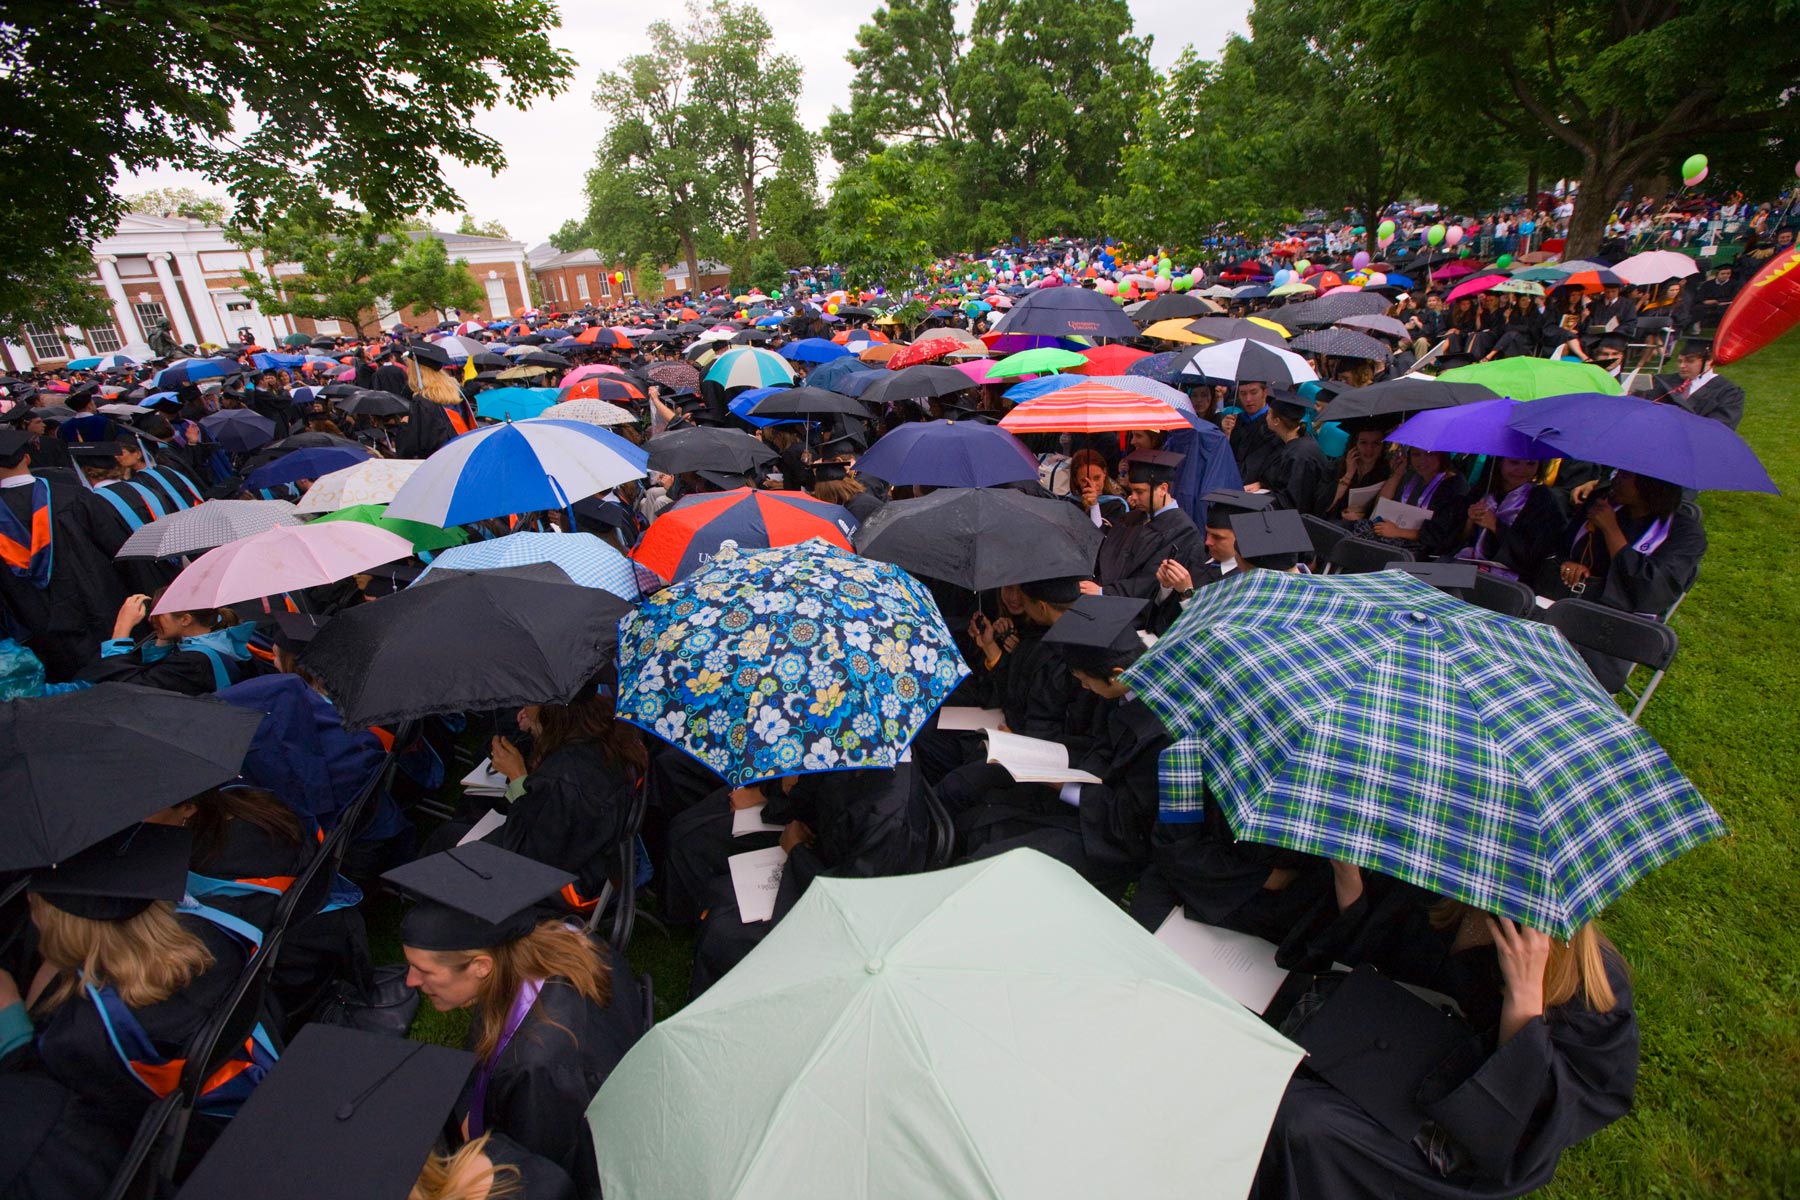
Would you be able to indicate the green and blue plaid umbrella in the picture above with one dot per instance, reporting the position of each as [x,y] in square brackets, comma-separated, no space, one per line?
[1374,720]
[787,661]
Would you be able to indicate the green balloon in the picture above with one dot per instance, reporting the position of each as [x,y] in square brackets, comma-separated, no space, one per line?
[1300,267]
[1435,234]
[1503,262]
[1695,164]
[1385,229]
[1462,252]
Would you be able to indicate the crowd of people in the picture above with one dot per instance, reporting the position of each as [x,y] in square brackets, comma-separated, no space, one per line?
[126,948]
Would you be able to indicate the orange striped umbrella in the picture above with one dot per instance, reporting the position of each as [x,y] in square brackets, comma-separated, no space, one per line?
[1091,408]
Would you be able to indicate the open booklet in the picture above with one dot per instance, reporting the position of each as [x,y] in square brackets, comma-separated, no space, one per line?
[484,780]
[1033,760]
[756,881]
[1239,964]
[955,717]
[1406,516]
[1360,498]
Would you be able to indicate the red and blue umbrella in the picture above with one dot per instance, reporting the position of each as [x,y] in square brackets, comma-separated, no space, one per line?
[689,535]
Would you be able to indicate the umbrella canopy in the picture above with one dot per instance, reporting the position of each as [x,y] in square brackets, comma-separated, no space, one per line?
[614,389]
[1091,407]
[306,463]
[1663,441]
[948,454]
[1175,329]
[238,429]
[981,538]
[808,401]
[879,353]
[1160,367]
[585,559]
[1340,343]
[703,449]
[1405,394]
[1069,312]
[1003,1014]
[1478,428]
[924,350]
[375,481]
[1173,306]
[1241,360]
[419,535]
[1534,378]
[1230,329]
[1375,323]
[917,383]
[1042,361]
[283,559]
[79,767]
[680,376]
[687,536]
[100,362]
[540,639]
[1109,360]
[749,366]
[813,350]
[525,467]
[191,370]
[590,412]
[1656,266]
[1374,720]
[787,661]
[832,374]
[367,402]
[206,525]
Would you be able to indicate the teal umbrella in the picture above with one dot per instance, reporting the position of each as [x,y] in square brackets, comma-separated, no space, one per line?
[1372,719]
[515,403]
[995,1029]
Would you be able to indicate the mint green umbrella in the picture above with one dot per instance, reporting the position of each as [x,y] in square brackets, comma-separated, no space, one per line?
[1044,360]
[421,535]
[1534,378]
[996,1029]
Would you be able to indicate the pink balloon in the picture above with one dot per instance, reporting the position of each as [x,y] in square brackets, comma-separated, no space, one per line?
[1453,235]
[1693,180]
[1161,284]
[1360,259]
[1385,242]
[1106,287]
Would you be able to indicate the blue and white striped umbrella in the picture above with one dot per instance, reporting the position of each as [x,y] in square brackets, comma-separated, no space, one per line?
[190,369]
[583,557]
[532,466]
[101,362]
[750,366]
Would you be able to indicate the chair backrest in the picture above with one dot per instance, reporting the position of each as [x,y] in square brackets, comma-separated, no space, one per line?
[1508,597]
[1612,642]
[1325,536]
[1357,556]
[134,1179]
[624,882]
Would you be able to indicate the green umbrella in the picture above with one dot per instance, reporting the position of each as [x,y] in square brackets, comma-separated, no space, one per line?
[297,339]
[421,535]
[1045,360]
[1534,378]
[1542,274]
[995,1029]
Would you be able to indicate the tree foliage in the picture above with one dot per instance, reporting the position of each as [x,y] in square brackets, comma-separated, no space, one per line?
[470,227]
[178,202]
[886,216]
[907,60]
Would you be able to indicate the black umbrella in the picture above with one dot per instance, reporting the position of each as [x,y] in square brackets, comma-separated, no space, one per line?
[487,358]
[370,403]
[1068,312]
[852,310]
[542,358]
[1407,394]
[1328,310]
[1340,343]
[917,383]
[703,449]
[79,767]
[1225,329]
[311,440]
[982,538]
[333,391]
[807,401]
[536,640]
[1172,307]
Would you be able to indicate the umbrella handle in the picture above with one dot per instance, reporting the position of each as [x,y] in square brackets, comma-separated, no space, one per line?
[567,507]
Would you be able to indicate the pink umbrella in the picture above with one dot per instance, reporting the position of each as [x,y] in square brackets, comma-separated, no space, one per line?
[1455,270]
[1655,266]
[587,370]
[345,375]
[1342,288]
[1470,287]
[286,558]
[977,369]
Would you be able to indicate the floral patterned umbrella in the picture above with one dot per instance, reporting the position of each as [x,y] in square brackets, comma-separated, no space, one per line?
[788,661]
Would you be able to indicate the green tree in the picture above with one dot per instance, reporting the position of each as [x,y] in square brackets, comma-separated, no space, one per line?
[906,59]
[362,99]
[470,227]
[886,217]
[58,291]
[424,276]
[573,235]
[649,273]
[178,202]
[1631,88]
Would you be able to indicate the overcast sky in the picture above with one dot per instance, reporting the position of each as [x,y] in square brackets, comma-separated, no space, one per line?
[541,185]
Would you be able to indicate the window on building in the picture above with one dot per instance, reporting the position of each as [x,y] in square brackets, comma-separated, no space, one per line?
[46,343]
[605,284]
[149,314]
[103,340]
[328,328]
[581,285]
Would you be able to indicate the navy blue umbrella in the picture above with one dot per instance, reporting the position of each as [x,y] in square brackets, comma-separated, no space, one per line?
[830,375]
[238,429]
[1069,312]
[305,464]
[962,454]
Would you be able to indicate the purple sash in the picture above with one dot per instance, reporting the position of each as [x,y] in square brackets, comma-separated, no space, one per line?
[1648,542]
[1510,506]
[521,1005]
[1424,501]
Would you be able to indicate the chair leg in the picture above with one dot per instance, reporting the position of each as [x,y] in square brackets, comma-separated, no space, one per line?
[1644,697]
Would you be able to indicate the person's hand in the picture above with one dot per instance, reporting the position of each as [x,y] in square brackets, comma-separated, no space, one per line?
[746,797]
[796,834]
[1388,529]
[1573,574]
[1279,878]
[982,630]
[132,613]
[1089,588]
[1174,576]
[1346,882]
[1255,488]
[506,758]
[1482,514]
[1578,495]
[1602,519]
[1227,423]
[1523,954]
[1090,493]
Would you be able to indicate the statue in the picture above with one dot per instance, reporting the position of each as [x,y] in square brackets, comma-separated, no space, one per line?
[162,342]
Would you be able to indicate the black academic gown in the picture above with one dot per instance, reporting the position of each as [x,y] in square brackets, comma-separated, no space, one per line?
[1504,1113]
[1631,581]
[1203,869]
[1720,399]
[539,1178]
[864,505]
[426,428]
[1530,537]
[1299,476]
[571,815]
[1253,443]
[1134,547]
[53,1149]
[391,379]
[540,1086]
[186,671]
[65,622]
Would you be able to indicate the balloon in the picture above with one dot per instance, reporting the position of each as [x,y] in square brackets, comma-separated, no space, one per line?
[1766,307]
[1453,235]
[1503,262]
[1302,265]
[1106,287]
[1696,179]
[1435,234]
[1283,277]
[1183,282]
[1385,241]
[1385,230]
[1694,169]
[1797,168]
[1360,259]
[1162,284]
[1163,264]
[832,309]
[1463,252]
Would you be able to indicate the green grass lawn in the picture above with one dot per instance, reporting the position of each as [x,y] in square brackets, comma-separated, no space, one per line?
[1714,938]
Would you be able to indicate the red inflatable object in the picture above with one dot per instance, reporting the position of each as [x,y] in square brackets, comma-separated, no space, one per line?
[1767,307]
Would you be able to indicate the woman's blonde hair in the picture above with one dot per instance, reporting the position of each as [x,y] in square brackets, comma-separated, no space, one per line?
[433,384]
[466,1175]
[146,958]
[552,950]
[837,491]
[1577,965]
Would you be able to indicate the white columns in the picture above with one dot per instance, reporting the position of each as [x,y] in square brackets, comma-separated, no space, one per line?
[205,311]
[115,291]
[179,319]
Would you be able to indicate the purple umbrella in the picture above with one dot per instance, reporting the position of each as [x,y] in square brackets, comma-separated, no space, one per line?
[1662,441]
[1478,428]
[964,454]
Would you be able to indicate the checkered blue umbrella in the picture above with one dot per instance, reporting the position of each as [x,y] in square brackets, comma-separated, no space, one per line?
[583,557]
[1372,719]
[788,661]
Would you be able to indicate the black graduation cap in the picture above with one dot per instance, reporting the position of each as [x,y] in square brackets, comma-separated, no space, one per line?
[427,353]
[1224,503]
[473,897]
[1064,589]
[1290,404]
[395,575]
[1272,538]
[1153,466]
[294,631]
[96,450]
[14,443]
[826,472]
[116,879]
[345,1113]
[847,443]
[1700,346]
[725,481]
[1445,576]
[1099,633]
